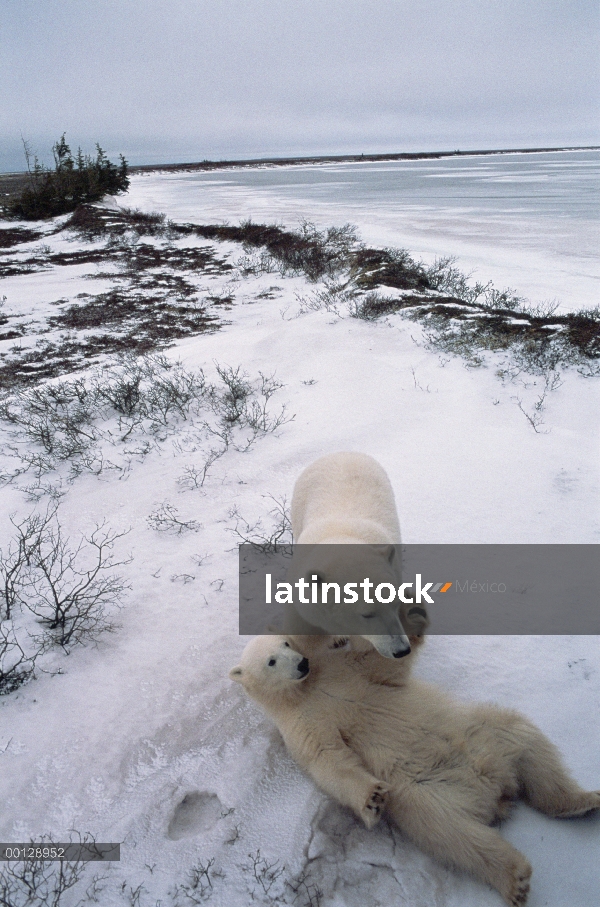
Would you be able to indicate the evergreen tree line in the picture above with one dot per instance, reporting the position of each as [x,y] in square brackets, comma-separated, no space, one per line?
[72,182]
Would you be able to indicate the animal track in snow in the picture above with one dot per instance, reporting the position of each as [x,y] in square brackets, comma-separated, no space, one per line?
[198,811]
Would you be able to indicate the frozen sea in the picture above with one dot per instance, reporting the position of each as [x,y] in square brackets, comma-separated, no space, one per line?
[528,221]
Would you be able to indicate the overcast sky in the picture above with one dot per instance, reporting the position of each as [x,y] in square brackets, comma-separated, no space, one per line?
[177,80]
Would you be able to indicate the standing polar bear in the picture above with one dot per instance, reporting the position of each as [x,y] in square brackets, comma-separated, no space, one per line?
[339,500]
[443,771]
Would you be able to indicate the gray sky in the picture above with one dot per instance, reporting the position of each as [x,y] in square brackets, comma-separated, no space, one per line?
[176,80]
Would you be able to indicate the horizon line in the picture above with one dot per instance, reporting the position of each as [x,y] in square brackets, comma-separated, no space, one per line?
[224,163]
[207,164]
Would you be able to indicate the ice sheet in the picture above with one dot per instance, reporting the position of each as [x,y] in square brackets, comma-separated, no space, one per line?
[525,221]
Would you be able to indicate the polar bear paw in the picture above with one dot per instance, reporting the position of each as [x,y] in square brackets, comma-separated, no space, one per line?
[589,802]
[578,805]
[374,806]
[518,888]
[340,642]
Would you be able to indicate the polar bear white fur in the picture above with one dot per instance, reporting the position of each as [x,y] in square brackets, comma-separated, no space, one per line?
[442,771]
[342,499]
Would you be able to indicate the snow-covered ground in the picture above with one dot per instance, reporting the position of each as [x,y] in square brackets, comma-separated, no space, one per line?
[141,737]
[528,221]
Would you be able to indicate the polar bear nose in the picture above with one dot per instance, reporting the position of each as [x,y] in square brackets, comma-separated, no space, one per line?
[400,653]
[303,667]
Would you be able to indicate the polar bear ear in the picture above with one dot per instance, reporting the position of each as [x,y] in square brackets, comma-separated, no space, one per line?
[236,674]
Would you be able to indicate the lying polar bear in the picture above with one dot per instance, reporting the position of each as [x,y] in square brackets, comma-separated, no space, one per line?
[443,771]
[347,499]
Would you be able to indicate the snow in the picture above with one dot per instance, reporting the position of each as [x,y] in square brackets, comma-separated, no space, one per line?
[527,221]
[141,738]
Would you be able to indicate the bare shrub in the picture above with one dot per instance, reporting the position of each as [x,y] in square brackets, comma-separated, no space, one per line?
[91,222]
[184,578]
[245,404]
[171,388]
[459,338]
[166,519]
[301,887]
[65,418]
[534,417]
[230,401]
[135,895]
[473,317]
[309,251]
[543,309]
[372,306]
[256,263]
[373,268]
[150,387]
[199,886]
[137,401]
[540,357]
[39,463]
[71,590]
[123,390]
[510,299]
[16,665]
[443,275]
[552,381]
[265,539]
[58,417]
[35,492]
[195,476]
[20,555]
[333,295]
[264,874]
[257,415]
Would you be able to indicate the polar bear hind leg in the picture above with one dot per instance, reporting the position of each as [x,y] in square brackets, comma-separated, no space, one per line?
[529,765]
[546,784]
[450,835]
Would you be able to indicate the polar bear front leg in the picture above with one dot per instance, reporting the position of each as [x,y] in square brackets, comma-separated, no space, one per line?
[346,780]
[340,773]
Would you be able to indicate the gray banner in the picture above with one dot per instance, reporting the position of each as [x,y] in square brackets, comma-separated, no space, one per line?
[461,589]
[91,852]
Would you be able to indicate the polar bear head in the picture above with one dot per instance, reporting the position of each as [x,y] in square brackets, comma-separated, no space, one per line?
[269,666]
[359,612]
